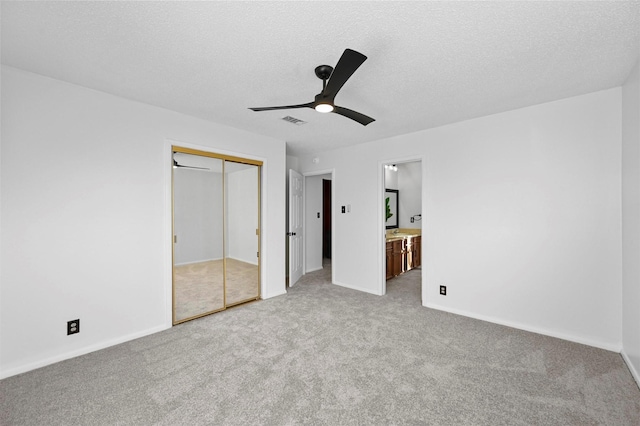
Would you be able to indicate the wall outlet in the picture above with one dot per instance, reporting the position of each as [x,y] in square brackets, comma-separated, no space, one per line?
[73,327]
[344,209]
[443,290]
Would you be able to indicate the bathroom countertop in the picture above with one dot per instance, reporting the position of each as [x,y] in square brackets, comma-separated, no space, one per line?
[403,233]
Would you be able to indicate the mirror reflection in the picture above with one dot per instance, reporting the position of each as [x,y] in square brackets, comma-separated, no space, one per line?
[241,193]
[198,235]
[216,216]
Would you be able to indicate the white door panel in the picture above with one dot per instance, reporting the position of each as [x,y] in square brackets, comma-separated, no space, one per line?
[295,234]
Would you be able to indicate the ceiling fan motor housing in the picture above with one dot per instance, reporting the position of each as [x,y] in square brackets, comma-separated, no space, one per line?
[323,72]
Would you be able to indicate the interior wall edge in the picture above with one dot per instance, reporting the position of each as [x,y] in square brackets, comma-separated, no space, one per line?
[269,296]
[630,366]
[355,287]
[609,346]
[13,371]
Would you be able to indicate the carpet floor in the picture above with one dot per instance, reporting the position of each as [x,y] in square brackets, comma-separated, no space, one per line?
[199,287]
[327,355]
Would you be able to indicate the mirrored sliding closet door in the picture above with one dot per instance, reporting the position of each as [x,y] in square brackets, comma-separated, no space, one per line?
[216,216]
[242,250]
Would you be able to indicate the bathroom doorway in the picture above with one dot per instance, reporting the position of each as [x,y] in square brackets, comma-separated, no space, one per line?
[402,225]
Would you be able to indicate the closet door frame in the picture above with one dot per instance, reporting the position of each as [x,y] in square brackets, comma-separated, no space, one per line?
[224,158]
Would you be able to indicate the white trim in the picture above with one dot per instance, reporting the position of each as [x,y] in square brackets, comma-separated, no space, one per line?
[168,235]
[198,261]
[243,260]
[355,287]
[83,351]
[630,366]
[269,296]
[597,344]
[313,270]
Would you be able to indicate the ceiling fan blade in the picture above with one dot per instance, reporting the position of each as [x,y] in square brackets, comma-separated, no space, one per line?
[344,69]
[356,116]
[309,105]
[175,164]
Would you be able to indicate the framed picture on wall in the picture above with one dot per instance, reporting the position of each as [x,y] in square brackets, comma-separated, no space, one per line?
[391,208]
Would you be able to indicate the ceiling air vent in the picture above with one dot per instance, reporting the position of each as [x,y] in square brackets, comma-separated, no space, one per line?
[294,120]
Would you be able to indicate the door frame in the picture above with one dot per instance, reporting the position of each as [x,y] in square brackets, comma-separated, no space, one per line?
[331,172]
[382,288]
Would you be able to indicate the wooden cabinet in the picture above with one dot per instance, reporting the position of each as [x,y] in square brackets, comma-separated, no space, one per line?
[416,256]
[389,260]
[402,255]
[398,257]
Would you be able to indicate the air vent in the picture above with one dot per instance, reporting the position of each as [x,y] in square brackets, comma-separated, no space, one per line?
[294,120]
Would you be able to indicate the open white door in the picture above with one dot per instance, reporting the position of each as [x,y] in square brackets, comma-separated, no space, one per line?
[296,192]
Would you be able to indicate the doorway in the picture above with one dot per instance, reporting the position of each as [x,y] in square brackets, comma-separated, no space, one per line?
[216,232]
[318,220]
[326,219]
[402,224]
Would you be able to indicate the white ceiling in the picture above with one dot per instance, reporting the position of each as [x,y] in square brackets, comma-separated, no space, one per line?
[430,63]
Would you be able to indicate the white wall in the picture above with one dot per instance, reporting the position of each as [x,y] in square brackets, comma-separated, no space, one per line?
[390,179]
[312,223]
[410,192]
[242,219]
[86,216]
[521,212]
[631,222]
[198,218]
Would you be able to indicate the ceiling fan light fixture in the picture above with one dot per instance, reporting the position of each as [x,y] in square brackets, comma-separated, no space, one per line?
[324,108]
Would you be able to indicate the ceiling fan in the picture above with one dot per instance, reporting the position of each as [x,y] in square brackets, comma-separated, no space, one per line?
[176,165]
[324,101]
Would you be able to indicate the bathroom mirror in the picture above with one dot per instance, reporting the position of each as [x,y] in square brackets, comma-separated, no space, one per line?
[391,208]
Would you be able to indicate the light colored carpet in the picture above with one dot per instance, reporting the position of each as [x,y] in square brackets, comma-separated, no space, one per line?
[326,355]
[199,286]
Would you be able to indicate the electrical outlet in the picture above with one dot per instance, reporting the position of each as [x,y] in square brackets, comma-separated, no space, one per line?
[318,215]
[443,290]
[344,209]
[73,327]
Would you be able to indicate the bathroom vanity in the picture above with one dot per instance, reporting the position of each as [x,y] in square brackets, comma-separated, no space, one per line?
[404,251]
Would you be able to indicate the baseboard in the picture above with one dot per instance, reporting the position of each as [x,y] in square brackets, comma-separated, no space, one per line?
[519,326]
[313,270]
[281,293]
[353,287]
[251,262]
[634,372]
[197,261]
[43,363]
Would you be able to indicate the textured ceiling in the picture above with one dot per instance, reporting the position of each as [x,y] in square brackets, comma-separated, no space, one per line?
[430,63]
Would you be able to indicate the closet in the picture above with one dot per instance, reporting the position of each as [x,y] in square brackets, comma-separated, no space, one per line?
[216,232]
